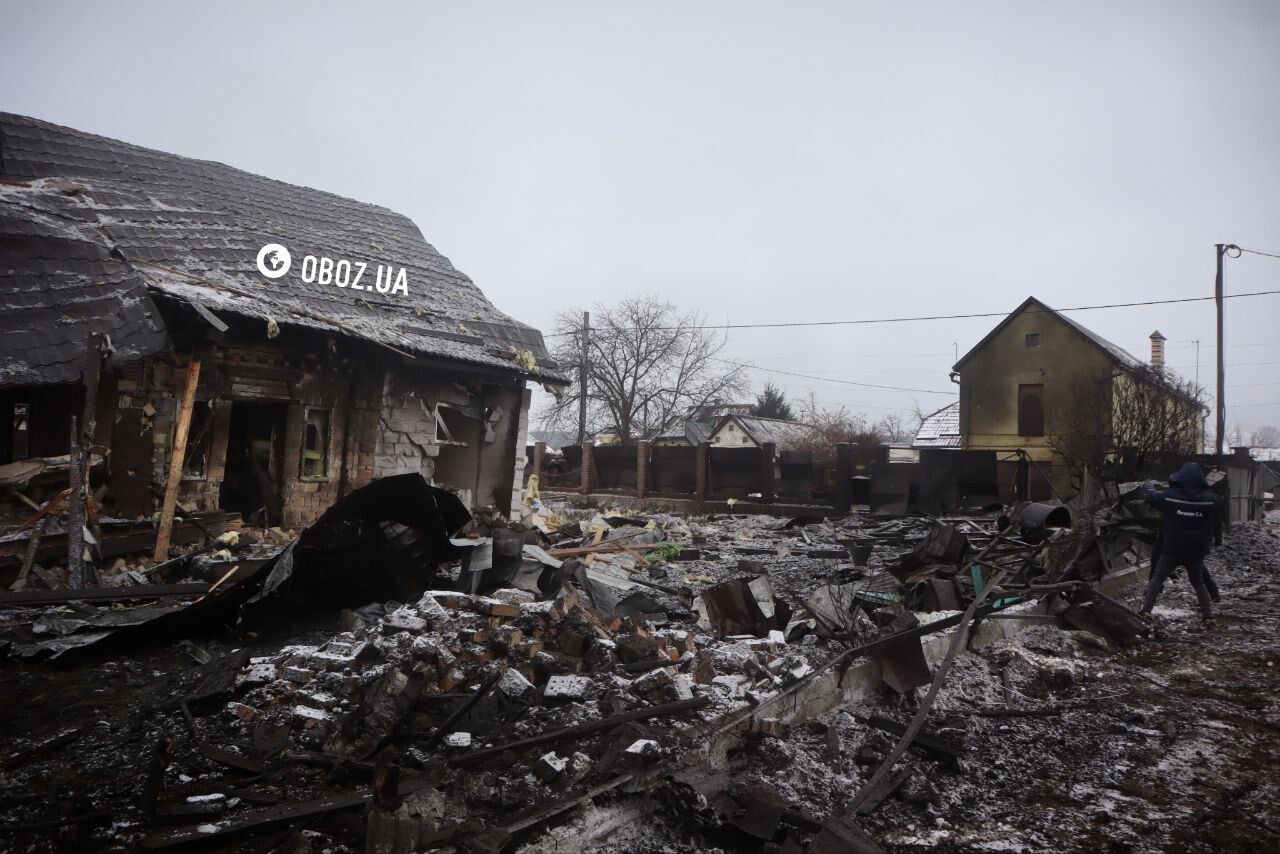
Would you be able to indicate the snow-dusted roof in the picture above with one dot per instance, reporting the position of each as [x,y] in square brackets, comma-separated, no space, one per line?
[940,429]
[99,222]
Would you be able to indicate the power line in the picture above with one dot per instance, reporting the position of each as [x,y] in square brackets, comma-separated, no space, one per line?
[1259,252]
[1189,345]
[830,379]
[809,323]
[1246,405]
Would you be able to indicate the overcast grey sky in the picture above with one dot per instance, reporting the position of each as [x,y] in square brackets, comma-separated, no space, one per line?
[760,162]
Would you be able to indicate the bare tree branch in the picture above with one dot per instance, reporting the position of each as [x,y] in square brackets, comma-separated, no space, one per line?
[647,365]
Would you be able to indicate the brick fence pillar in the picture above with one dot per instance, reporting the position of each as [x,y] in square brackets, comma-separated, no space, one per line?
[701,471]
[642,468]
[539,459]
[588,466]
[768,481]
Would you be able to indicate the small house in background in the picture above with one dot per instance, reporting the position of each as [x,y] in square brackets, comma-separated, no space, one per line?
[693,433]
[1035,369]
[746,431]
[310,343]
[940,429]
[695,425]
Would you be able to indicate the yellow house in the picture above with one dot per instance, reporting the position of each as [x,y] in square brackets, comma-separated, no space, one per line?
[1042,383]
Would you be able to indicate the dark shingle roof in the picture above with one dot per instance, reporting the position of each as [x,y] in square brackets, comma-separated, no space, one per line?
[59,284]
[191,229]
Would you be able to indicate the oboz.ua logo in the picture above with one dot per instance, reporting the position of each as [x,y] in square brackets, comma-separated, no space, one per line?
[274,260]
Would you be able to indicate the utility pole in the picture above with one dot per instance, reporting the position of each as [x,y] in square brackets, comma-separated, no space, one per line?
[1222,405]
[582,379]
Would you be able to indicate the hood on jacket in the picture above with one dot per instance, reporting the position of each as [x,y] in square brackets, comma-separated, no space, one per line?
[1190,476]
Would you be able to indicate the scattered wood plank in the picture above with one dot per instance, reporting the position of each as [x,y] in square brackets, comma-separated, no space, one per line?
[230,758]
[52,743]
[29,558]
[881,791]
[841,836]
[254,820]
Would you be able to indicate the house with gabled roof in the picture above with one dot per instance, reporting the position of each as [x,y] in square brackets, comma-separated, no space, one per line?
[748,431]
[311,343]
[1025,377]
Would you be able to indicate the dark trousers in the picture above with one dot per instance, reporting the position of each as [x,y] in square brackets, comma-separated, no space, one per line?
[1209,583]
[1164,568]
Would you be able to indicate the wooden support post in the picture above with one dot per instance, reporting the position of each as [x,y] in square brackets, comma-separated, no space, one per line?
[176,454]
[88,428]
[75,511]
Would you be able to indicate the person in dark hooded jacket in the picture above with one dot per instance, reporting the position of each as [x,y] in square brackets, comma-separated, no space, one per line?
[1188,518]
[1219,529]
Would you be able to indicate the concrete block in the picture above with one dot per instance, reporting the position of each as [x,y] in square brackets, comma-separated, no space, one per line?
[566,689]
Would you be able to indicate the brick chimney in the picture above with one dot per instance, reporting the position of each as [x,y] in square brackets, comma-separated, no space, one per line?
[1157,350]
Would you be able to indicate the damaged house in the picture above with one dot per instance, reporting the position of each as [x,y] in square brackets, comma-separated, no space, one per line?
[1041,384]
[290,344]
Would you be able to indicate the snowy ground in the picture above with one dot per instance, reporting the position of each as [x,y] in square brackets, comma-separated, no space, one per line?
[1169,745]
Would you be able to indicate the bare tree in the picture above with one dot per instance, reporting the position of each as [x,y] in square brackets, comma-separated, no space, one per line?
[826,428]
[1265,437]
[1118,425]
[895,428]
[647,364]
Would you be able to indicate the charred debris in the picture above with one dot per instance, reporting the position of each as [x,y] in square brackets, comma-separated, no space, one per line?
[403,675]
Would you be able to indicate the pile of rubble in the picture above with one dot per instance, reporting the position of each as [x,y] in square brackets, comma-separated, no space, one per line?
[489,676]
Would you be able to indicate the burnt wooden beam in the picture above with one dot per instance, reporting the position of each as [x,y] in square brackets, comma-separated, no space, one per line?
[29,558]
[90,377]
[882,790]
[939,747]
[582,730]
[101,594]
[253,820]
[75,510]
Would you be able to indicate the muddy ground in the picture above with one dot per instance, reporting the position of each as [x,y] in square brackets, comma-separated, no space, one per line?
[1170,745]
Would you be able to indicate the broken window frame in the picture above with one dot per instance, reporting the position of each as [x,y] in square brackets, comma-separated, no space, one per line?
[199,438]
[307,456]
[443,434]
